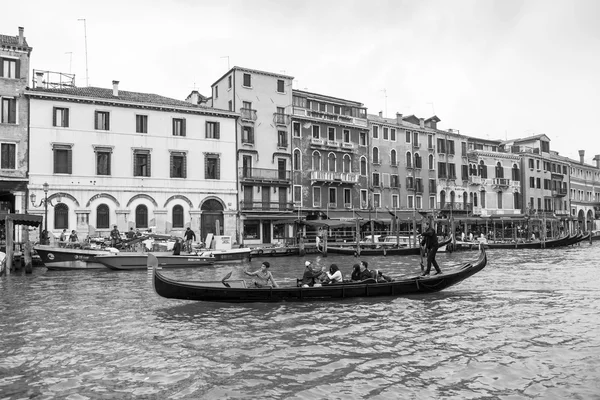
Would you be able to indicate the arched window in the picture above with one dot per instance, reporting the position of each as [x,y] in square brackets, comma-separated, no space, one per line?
[347,163]
[178,216]
[102,217]
[376,155]
[517,200]
[61,216]
[499,170]
[483,199]
[297,160]
[452,198]
[500,200]
[465,202]
[442,199]
[408,160]
[516,174]
[331,162]
[141,216]
[363,166]
[474,199]
[431,165]
[316,159]
[482,172]
[393,159]
[418,163]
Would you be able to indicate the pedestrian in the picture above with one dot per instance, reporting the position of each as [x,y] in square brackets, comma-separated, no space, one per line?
[115,236]
[73,237]
[130,234]
[62,241]
[177,247]
[430,242]
[190,236]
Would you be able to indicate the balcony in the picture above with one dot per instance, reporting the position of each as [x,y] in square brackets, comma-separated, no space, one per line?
[282,145]
[332,143]
[477,210]
[266,206]
[347,205]
[501,182]
[559,192]
[348,145]
[322,115]
[515,184]
[248,114]
[455,206]
[336,177]
[317,141]
[264,175]
[562,213]
[416,145]
[281,119]
[431,148]
[477,180]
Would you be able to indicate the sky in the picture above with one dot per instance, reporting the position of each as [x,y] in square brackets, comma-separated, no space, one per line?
[491,69]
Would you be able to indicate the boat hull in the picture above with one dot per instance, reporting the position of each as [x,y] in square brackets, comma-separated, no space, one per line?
[130,261]
[236,292]
[59,258]
[381,251]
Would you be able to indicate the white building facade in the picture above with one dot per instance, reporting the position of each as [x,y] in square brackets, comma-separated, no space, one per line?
[130,159]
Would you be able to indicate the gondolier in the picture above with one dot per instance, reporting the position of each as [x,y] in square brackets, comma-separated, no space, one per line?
[430,242]
[263,276]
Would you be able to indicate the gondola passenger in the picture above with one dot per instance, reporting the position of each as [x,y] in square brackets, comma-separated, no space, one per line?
[308,279]
[334,275]
[355,272]
[365,272]
[263,276]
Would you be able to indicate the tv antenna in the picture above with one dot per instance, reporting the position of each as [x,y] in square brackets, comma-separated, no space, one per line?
[87,79]
[385,99]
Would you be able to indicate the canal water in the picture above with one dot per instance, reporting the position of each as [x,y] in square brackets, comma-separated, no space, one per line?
[527,326]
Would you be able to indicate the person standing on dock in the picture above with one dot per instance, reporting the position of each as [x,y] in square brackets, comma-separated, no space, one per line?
[115,236]
[190,236]
[430,242]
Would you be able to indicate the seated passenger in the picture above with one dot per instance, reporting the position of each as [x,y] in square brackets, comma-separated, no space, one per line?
[308,279]
[366,272]
[334,275]
[383,278]
[355,272]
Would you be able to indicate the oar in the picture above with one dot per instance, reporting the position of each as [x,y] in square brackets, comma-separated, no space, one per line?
[225,278]
[421,250]
[152,261]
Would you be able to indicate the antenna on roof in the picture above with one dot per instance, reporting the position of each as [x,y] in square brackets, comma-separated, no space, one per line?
[385,96]
[227,57]
[87,80]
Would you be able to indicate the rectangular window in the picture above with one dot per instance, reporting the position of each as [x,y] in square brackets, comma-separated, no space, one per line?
[432,185]
[377,200]
[316,131]
[410,202]
[538,183]
[363,198]
[141,163]
[230,103]
[229,82]
[178,127]
[432,202]
[408,135]
[394,181]
[532,182]
[362,137]
[450,146]
[385,133]
[63,159]
[419,202]
[8,154]
[465,172]
[332,197]
[282,139]
[463,148]
[102,120]
[316,197]
[60,117]
[376,182]
[298,195]
[531,163]
[430,141]
[216,92]
[442,170]
[375,132]
[248,134]
[346,135]
[296,129]
[141,124]
[212,130]
[331,133]
[178,165]
[103,161]
[347,198]
[212,166]
[9,110]
[280,86]
[247,80]
[441,143]
[451,171]
[9,68]
[393,135]
[395,201]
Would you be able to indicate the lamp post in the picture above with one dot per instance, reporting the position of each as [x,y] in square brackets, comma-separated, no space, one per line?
[43,201]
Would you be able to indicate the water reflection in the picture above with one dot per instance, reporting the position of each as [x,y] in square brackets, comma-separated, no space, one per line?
[526,326]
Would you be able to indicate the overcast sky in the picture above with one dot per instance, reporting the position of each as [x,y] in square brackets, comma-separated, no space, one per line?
[491,69]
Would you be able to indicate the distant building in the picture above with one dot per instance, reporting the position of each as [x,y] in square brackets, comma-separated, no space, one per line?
[14,145]
[585,193]
[115,157]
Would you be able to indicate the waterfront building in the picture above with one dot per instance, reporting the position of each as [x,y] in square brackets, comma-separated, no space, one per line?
[263,158]
[584,193]
[131,159]
[14,145]
[331,163]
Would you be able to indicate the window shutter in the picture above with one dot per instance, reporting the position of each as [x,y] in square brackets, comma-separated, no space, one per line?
[107,121]
[205,167]
[183,127]
[218,167]
[53,116]
[1,66]
[96,120]
[149,164]
[172,162]
[184,166]
[135,163]
[173,126]
[55,160]
[108,158]
[69,161]
[218,130]
[18,69]
[66,114]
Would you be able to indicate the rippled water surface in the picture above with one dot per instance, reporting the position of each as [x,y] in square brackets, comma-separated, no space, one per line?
[527,326]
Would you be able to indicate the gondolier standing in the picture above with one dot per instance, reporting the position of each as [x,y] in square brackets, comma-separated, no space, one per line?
[430,242]
[115,236]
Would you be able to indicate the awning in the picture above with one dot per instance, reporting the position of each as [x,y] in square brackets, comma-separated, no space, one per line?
[331,223]
[286,216]
[25,219]
[343,215]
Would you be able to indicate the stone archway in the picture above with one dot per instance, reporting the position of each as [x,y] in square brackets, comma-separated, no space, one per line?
[211,220]
[589,221]
[580,220]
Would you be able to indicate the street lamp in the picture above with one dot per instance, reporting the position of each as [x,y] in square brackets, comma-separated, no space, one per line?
[43,201]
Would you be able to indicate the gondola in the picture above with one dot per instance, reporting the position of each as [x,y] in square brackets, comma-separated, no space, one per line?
[380,251]
[235,291]
[530,245]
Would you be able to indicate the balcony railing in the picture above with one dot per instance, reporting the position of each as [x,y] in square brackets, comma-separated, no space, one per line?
[281,119]
[266,206]
[282,145]
[416,145]
[346,119]
[332,143]
[263,174]
[476,180]
[329,176]
[559,192]
[431,148]
[317,141]
[248,114]
[455,206]
[561,212]
[347,145]
[504,182]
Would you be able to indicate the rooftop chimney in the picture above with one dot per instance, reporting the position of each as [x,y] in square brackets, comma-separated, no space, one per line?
[422,122]
[116,88]
[21,29]
[597,159]
[380,114]
[581,155]
[39,79]
[399,118]
[194,97]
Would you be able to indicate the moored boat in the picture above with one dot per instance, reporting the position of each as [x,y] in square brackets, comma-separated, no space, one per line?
[380,251]
[129,261]
[235,291]
[58,258]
